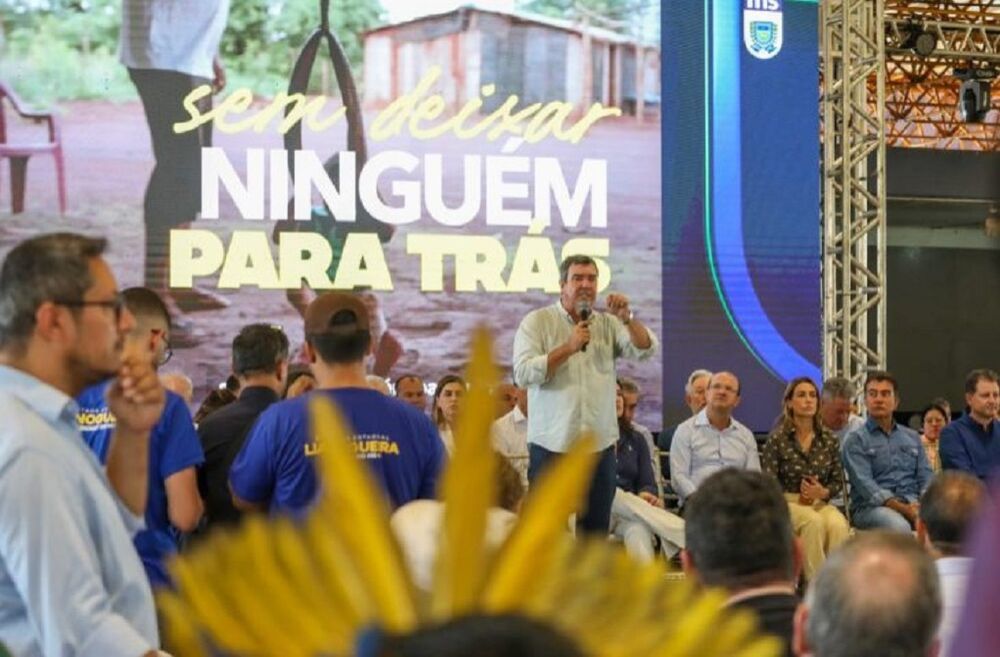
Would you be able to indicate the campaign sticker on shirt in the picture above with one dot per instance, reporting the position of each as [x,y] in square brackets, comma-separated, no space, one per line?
[763,29]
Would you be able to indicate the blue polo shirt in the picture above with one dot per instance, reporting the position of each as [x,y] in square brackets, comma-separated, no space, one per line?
[884,465]
[173,447]
[967,445]
[399,443]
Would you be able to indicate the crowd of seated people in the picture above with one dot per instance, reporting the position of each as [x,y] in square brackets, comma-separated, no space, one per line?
[757,521]
[760,519]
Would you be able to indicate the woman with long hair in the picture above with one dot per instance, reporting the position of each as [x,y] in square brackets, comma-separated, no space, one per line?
[935,417]
[805,459]
[447,398]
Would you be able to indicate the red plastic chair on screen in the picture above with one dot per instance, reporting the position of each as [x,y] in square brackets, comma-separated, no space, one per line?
[19,152]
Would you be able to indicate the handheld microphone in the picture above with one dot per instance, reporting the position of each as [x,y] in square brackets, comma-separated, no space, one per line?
[584,310]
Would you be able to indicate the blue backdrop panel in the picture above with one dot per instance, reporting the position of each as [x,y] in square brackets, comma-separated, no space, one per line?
[741,227]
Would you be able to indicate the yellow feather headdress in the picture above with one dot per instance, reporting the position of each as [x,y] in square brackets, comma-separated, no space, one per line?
[278,588]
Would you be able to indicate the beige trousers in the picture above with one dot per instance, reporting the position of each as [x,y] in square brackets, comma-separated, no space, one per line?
[820,527]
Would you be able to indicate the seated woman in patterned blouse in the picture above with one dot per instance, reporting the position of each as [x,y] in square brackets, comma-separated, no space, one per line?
[805,458]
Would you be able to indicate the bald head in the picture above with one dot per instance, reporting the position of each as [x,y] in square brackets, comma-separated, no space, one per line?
[877,595]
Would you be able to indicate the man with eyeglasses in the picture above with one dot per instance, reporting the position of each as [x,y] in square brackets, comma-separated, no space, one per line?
[174,505]
[712,440]
[70,580]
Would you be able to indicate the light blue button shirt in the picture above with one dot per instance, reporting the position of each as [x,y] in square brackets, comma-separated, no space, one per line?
[71,583]
[881,466]
[699,450]
[580,394]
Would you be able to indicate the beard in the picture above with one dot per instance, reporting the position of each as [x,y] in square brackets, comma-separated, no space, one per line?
[85,370]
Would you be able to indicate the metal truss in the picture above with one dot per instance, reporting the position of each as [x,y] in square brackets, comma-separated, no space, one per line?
[921,92]
[854,227]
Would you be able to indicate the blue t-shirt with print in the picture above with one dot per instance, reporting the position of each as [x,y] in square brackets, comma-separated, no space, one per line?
[399,444]
[173,447]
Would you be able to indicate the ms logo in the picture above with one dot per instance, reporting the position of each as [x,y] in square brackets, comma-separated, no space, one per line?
[763,29]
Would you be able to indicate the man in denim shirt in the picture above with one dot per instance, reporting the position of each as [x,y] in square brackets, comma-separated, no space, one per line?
[886,464]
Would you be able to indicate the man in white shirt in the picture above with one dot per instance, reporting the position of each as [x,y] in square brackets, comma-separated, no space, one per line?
[510,434]
[947,510]
[712,440]
[170,47]
[564,354]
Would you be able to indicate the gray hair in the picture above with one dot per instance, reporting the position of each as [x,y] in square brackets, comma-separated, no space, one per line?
[839,388]
[52,267]
[694,376]
[569,261]
[629,385]
[862,607]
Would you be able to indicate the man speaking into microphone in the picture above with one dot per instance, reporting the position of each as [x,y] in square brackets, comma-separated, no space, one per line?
[564,355]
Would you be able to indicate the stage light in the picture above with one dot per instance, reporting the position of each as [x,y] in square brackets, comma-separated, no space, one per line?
[974,93]
[919,40]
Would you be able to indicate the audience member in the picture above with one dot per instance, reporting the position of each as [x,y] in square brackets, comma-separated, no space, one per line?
[637,514]
[71,582]
[506,398]
[260,361]
[410,389]
[510,435]
[947,510]
[274,470]
[694,397]
[213,401]
[712,439]
[933,420]
[837,406]
[946,405]
[630,397]
[972,442]
[300,381]
[447,399]
[877,596]
[378,383]
[978,633]
[417,525]
[739,537]
[805,459]
[564,355]
[885,462]
[174,506]
[179,384]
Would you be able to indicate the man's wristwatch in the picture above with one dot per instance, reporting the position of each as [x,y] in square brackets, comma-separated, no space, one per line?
[631,316]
